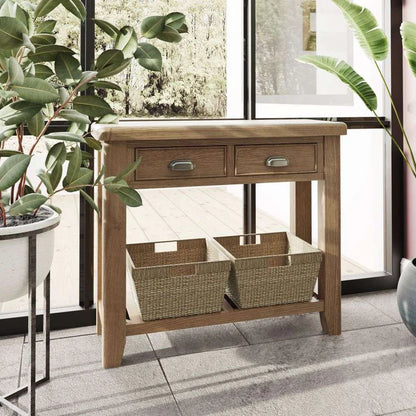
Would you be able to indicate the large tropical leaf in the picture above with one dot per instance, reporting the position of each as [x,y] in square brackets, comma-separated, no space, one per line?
[408,32]
[107,27]
[152,26]
[36,90]
[67,68]
[126,41]
[76,7]
[45,7]
[109,57]
[16,75]
[74,115]
[65,136]
[48,53]
[56,155]
[175,20]
[12,169]
[129,197]
[346,74]
[18,112]
[36,124]
[366,29]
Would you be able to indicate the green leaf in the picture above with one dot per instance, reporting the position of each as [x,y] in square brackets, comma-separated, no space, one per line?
[12,169]
[149,56]
[45,7]
[169,34]
[366,30]
[112,185]
[107,27]
[126,41]
[36,90]
[108,119]
[90,201]
[78,128]
[6,132]
[43,71]
[46,26]
[408,33]
[65,136]
[106,85]
[16,76]
[100,175]
[93,143]
[113,69]
[43,39]
[129,197]
[44,177]
[87,76]
[346,74]
[75,7]
[67,68]
[83,178]
[56,156]
[128,170]
[28,43]
[28,190]
[183,29]
[109,57]
[73,115]
[152,26]
[48,53]
[74,166]
[8,153]
[55,208]
[63,95]
[175,20]
[27,204]
[56,175]
[18,112]
[11,32]
[36,124]
[92,106]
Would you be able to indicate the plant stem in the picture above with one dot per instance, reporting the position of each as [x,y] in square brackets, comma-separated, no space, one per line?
[396,144]
[393,106]
[56,113]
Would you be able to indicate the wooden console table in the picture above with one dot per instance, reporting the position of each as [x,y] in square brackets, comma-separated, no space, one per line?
[199,153]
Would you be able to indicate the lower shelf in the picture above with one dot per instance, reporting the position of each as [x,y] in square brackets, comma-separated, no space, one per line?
[137,326]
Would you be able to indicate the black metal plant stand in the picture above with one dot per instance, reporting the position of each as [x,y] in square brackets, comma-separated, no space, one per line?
[30,388]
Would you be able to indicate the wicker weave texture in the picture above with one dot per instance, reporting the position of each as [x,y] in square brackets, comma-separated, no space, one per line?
[190,280]
[280,268]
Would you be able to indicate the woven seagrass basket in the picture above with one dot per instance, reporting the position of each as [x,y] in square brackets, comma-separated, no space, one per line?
[273,269]
[188,280]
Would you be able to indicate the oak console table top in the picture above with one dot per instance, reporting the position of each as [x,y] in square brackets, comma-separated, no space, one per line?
[199,153]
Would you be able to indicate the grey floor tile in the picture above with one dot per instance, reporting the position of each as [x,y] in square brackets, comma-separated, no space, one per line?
[407,412]
[80,386]
[193,340]
[10,356]
[356,314]
[386,301]
[360,373]
[67,333]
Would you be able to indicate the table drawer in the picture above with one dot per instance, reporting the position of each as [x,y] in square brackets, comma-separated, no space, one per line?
[180,162]
[276,159]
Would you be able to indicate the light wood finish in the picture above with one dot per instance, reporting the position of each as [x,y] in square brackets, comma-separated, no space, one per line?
[329,225]
[100,250]
[113,316]
[229,314]
[208,161]
[301,158]
[214,129]
[121,145]
[301,210]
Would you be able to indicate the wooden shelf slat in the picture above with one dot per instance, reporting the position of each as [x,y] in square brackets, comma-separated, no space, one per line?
[227,315]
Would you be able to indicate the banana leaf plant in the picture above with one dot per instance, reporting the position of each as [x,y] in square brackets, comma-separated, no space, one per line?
[374,43]
[41,81]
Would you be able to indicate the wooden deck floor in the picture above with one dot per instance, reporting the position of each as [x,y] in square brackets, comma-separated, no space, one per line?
[165,215]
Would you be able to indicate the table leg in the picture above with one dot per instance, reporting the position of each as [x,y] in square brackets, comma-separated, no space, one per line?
[329,229]
[99,251]
[114,265]
[301,210]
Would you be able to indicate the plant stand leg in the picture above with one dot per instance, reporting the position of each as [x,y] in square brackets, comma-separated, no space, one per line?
[30,388]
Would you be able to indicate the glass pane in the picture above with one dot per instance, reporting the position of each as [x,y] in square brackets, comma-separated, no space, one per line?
[287,29]
[201,76]
[362,204]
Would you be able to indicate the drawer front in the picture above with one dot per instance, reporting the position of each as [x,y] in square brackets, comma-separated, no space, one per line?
[180,162]
[276,159]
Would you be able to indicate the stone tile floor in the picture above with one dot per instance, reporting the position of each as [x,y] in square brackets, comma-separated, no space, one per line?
[277,367]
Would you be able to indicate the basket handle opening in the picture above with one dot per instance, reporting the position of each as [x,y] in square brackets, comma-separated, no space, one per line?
[166,247]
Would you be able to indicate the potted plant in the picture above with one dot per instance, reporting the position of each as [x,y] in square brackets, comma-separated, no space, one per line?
[375,44]
[42,81]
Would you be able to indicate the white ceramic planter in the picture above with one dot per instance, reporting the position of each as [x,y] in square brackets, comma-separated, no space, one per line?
[14,256]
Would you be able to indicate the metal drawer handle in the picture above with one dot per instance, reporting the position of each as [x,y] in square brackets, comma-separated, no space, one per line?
[181,165]
[276,162]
